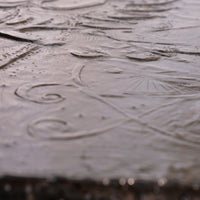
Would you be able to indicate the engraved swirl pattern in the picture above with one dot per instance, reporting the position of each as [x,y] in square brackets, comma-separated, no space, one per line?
[98,80]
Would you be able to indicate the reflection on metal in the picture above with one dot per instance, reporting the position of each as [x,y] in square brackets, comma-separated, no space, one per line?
[100,88]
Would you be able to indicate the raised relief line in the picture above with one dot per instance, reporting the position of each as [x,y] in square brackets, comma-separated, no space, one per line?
[65,134]
[15,38]
[76,75]
[70,5]
[18,56]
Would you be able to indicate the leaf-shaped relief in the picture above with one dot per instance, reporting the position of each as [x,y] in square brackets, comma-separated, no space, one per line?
[70,119]
[104,26]
[20,19]
[87,53]
[152,2]
[188,50]
[99,16]
[144,9]
[11,3]
[71,4]
[132,16]
[143,56]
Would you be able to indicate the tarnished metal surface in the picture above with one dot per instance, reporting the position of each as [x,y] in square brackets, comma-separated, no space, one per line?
[100,89]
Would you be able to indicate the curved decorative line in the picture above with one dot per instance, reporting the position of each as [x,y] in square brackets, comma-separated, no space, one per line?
[102,2]
[23,92]
[75,135]
[76,75]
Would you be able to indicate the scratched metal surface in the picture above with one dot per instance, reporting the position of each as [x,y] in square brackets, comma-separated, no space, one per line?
[100,89]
